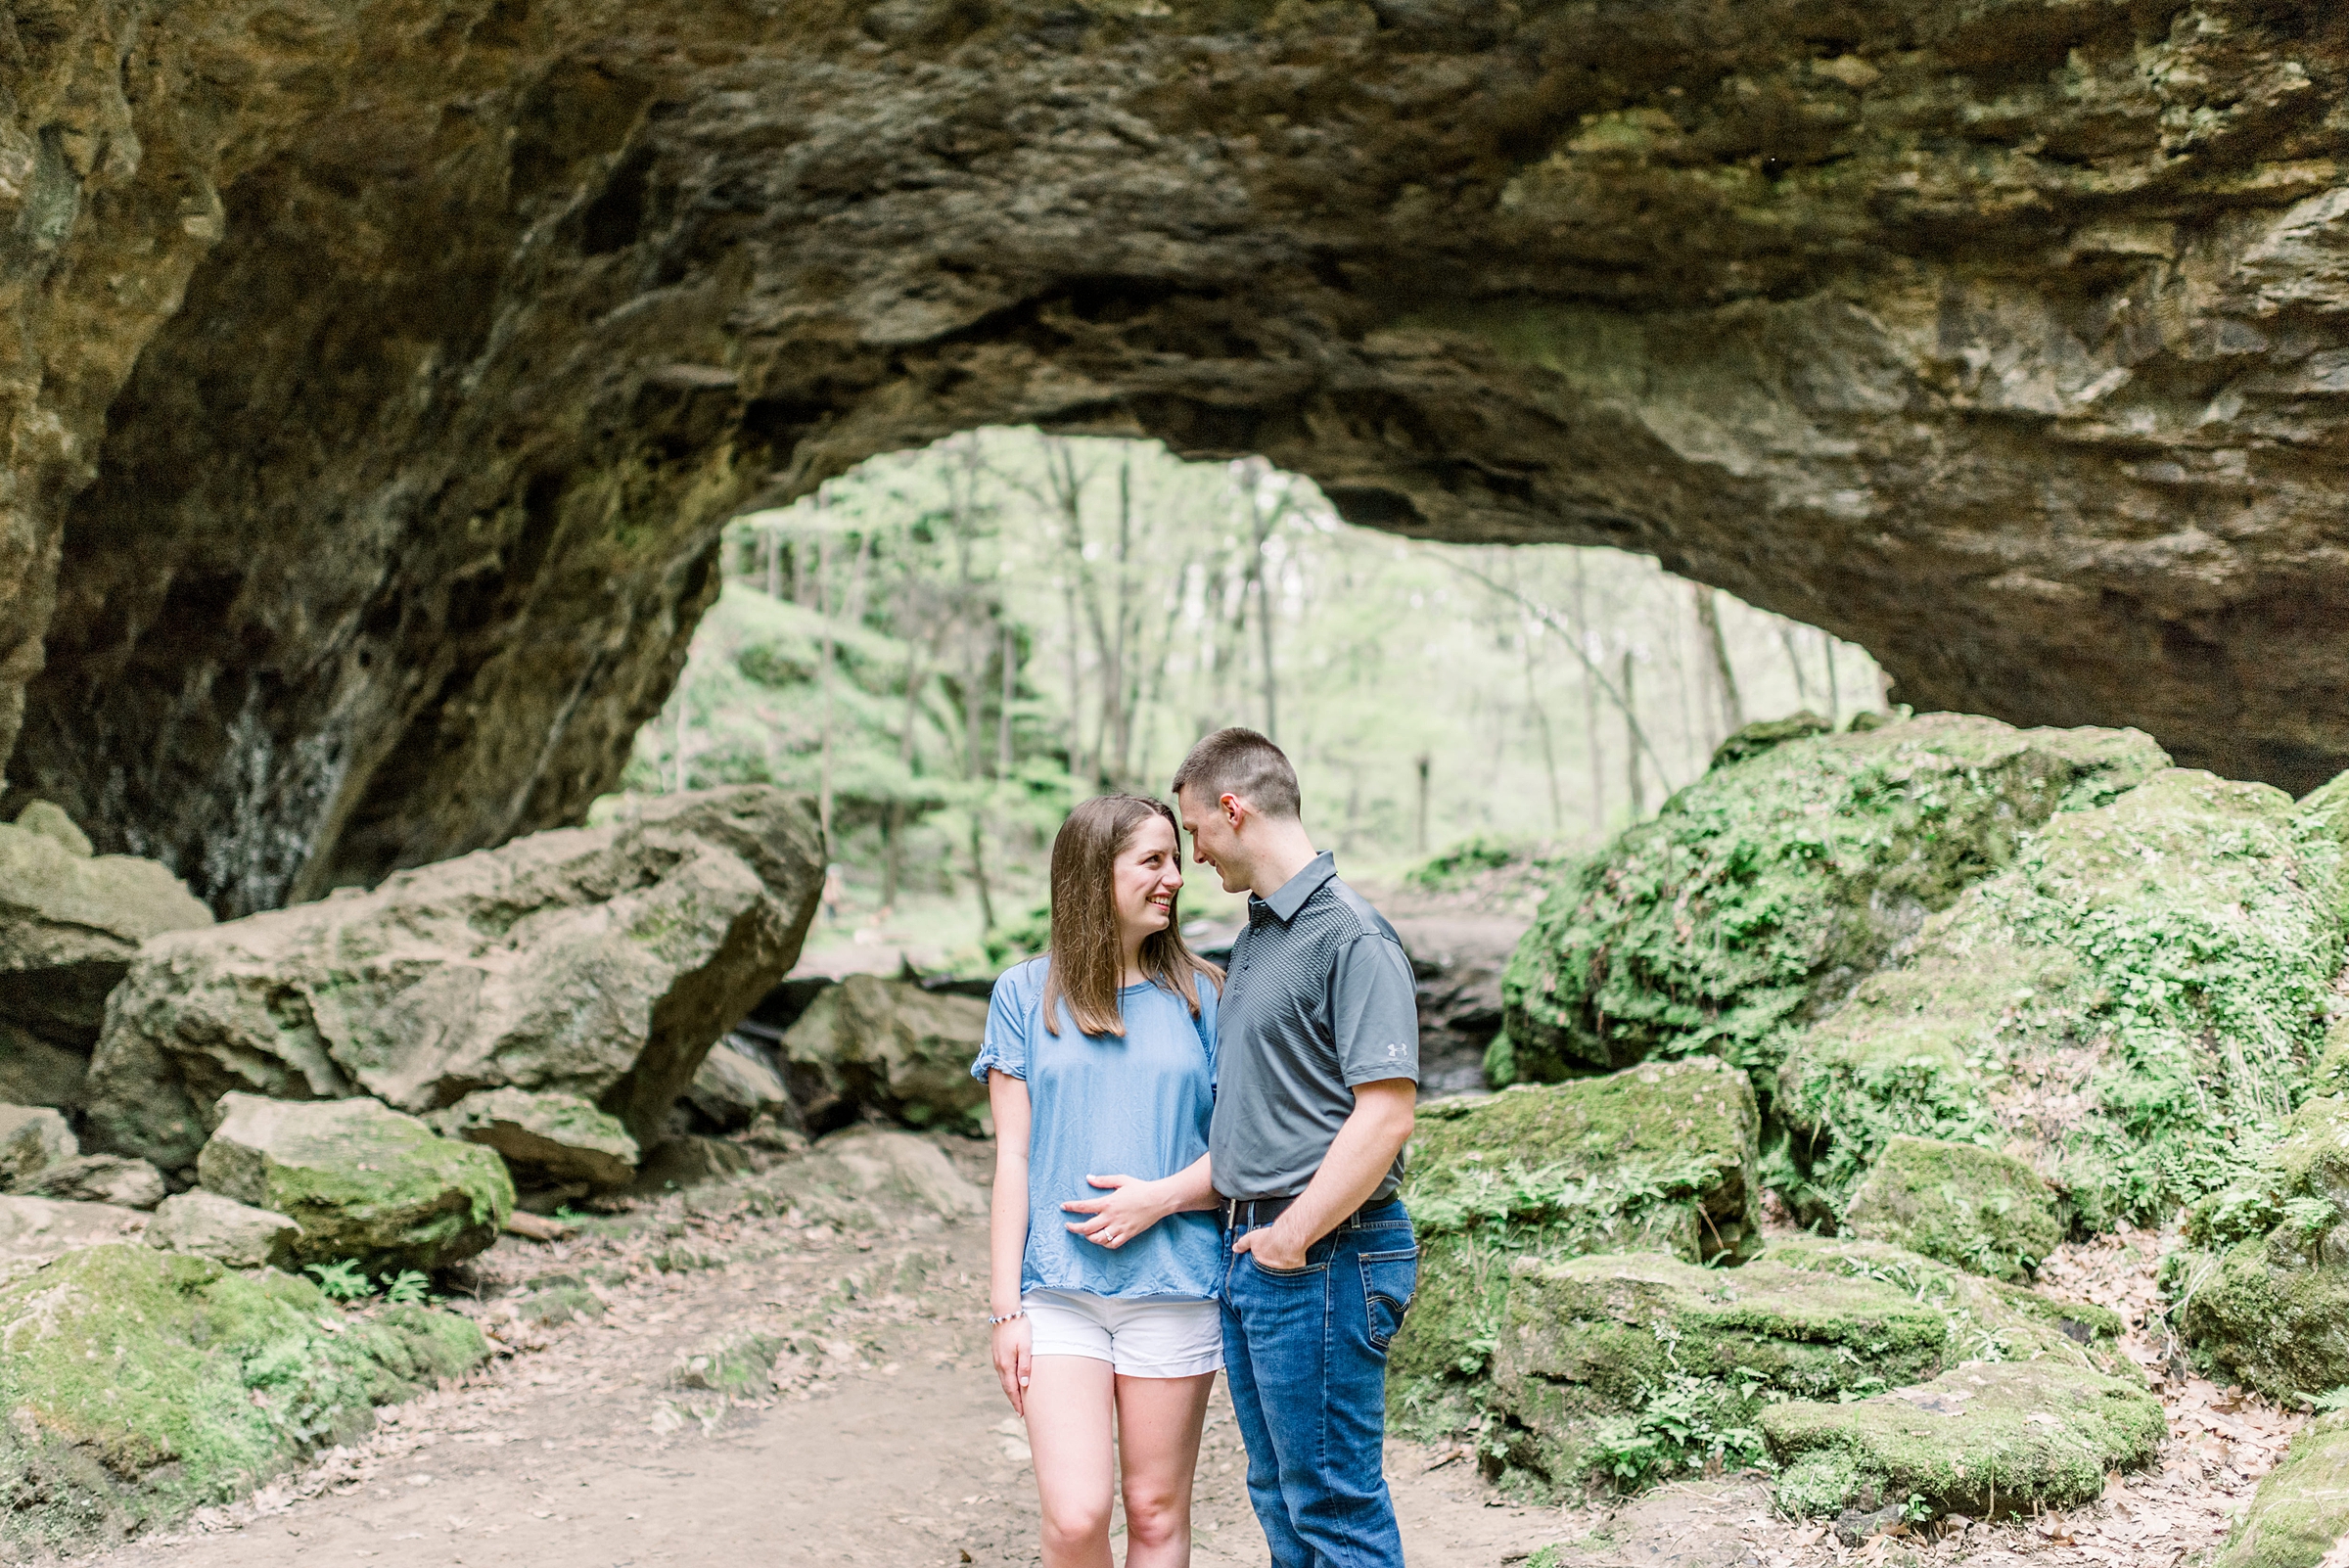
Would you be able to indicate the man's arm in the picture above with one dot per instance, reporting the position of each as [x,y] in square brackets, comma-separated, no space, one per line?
[1359,1160]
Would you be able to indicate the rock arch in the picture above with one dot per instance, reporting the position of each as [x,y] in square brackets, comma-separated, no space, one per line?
[382,372]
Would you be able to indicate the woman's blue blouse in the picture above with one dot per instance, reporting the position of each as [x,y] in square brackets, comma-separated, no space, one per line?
[1104,1106]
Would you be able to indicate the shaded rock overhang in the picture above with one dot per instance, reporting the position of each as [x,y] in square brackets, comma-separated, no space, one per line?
[378,373]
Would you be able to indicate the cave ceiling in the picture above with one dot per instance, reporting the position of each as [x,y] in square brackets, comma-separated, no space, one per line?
[377,376]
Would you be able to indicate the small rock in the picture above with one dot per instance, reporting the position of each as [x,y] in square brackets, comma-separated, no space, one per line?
[362,1181]
[98,1179]
[50,821]
[36,1230]
[549,1139]
[224,1231]
[32,1139]
[1854,1528]
[733,1088]
[71,923]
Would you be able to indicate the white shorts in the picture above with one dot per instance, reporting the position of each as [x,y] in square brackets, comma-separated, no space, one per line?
[1148,1337]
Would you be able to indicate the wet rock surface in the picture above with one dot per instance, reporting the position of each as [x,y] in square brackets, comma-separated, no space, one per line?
[597,962]
[2010,350]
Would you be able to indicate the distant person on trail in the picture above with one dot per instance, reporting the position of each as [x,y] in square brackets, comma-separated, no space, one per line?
[1317,1076]
[1099,1066]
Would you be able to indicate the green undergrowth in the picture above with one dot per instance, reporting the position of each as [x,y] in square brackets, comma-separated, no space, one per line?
[1658,1158]
[1760,894]
[1624,1371]
[2133,1006]
[141,1384]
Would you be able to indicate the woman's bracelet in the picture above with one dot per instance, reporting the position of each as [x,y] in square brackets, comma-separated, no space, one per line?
[998,1322]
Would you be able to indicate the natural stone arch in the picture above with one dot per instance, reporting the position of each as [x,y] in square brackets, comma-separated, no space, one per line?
[2005,338]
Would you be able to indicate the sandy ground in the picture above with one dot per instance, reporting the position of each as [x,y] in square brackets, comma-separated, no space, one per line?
[885,1441]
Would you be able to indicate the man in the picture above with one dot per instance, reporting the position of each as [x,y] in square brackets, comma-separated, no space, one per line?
[1316,1072]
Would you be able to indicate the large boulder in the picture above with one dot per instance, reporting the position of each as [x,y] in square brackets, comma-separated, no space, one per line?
[32,1139]
[735,1087]
[1761,893]
[1819,1355]
[2131,1008]
[1960,1203]
[887,1046]
[2301,1509]
[1658,1158]
[71,922]
[1457,961]
[597,962]
[548,1139]
[141,1384]
[363,1181]
[36,1230]
[224,1231]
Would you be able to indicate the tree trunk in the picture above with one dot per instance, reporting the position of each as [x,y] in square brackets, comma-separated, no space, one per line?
[771,538]
[987,903]
[1794,656]
[1834,687]
[1010,694]
[823,670]
[1630,706]
[1419,831]
[1724,673]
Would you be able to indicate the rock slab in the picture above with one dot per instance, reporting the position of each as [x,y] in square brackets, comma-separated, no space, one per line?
[224,1231]
[99,1178]
[547,1138]
[885,1046]
[595,962]
[363,1181]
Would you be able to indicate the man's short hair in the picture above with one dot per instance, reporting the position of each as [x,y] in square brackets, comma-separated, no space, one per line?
[1240,762]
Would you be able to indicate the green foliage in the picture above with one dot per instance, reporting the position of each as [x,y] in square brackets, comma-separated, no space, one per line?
[2135,1001]
[343,1280]
[1756,897]
[407,1288]
[145,1383]
[1464,862]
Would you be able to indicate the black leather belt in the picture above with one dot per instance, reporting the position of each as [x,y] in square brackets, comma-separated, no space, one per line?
[1254,1211]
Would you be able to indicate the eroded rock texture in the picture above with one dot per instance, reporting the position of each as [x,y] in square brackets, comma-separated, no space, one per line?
[2008,338]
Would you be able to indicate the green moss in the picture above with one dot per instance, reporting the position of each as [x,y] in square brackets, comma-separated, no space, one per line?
[1762,892]
[1636,1367]
[1659,1157]
[1960,1203]
[143,1384]
[738,1365]
[2134,1004]
[2302,1507]
[1981,1440]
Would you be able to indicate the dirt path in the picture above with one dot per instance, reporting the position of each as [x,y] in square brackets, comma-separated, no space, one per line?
[882,1439]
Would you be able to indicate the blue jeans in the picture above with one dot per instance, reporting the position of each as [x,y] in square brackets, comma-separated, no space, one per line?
[1306,1353]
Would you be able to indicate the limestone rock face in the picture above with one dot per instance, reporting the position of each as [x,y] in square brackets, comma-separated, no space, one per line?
[71,924]
[593,962]
[237,1376]
[223,1230]
[1762,892]
[889,1045]
[373,408]
[362,1181]
[1959,1202]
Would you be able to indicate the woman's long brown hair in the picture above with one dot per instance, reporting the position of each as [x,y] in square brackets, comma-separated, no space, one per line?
[1088,965]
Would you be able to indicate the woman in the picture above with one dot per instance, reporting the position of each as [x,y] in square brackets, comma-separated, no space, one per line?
[1098,1059]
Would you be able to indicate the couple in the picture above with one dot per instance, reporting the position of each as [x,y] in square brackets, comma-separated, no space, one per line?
[1197,1170]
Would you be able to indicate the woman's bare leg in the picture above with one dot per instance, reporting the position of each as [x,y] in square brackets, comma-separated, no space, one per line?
[1159,1421]
[1070,1407]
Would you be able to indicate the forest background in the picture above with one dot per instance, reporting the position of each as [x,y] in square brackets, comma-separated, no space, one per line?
[950,647]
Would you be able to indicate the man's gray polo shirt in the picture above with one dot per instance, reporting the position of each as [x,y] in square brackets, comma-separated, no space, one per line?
[1319,1000]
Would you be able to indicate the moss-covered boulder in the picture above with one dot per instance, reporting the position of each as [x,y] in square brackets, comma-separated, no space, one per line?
[1986,1439]
[1657,1158]
[885,1046]
[141,1384]
[548,1139]
[2301,1509]
[2263,1292]
[1960,1203]
[1630,1368]
[1762,892]
[2132,1008]
[362,1181]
